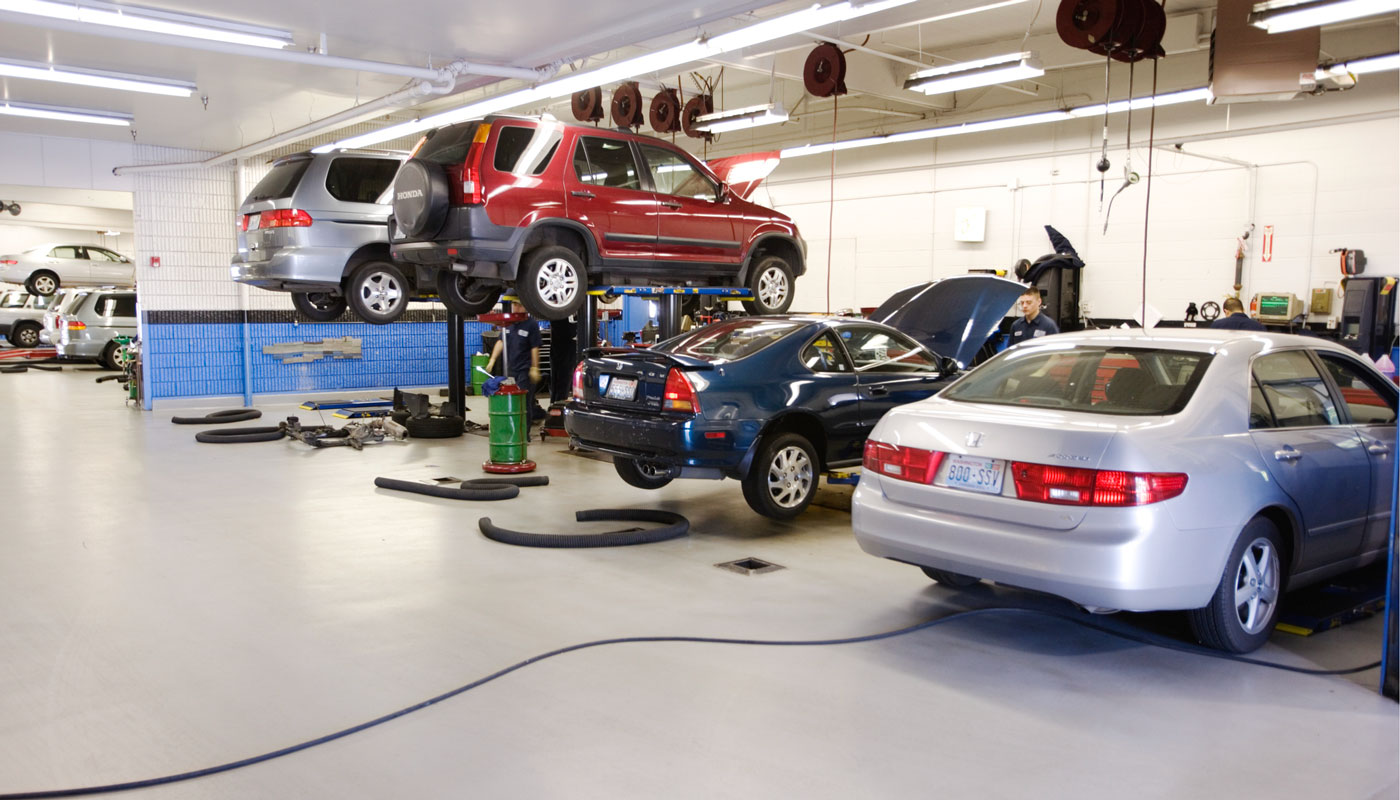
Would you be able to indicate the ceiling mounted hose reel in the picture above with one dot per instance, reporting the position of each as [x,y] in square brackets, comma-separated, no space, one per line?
[698,105]
[588,105]
[824,74]
[665,116]
[627,106]
[1127,30]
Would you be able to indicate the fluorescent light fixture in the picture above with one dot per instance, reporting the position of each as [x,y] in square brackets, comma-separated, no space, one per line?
[1139,103]
[971,74]
[1281,16]
[813,17]
[65,114]
[1361,66]
[740,118]
[99,78]
[152,20]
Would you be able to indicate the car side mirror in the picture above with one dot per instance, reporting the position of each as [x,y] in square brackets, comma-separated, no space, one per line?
[948,366]
[724,193]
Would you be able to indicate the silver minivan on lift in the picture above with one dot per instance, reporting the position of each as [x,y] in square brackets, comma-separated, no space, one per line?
[316,226]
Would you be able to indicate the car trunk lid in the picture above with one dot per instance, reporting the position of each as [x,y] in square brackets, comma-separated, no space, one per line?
[631,379]
[953,316]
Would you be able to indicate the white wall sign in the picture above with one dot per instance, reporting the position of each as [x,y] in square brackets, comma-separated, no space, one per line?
[970,224]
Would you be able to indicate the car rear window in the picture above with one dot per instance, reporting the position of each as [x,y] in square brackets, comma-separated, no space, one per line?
[360,180]
[280,182]
[729,341]
[1096,379]
[526,151]
[448,145]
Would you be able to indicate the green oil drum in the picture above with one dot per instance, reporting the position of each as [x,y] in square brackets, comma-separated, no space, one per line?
[510,429]
[478,374]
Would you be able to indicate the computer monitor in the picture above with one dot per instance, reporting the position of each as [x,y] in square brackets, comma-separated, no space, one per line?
[1278,308]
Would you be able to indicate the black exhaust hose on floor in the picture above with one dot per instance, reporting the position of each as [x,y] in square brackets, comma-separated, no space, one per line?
[673,525]
[502,488]
[218,417]
[1140,638]
[241,435]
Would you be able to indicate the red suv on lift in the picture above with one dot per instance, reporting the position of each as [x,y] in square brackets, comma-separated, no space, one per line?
[551,208]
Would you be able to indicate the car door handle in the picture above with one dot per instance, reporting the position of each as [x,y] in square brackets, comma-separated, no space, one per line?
[584,194]
[1287,455]
[670,204]
[878,391]
[1376,448]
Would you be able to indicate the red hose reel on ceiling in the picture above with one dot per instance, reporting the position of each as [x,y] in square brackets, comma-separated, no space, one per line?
[1126,30]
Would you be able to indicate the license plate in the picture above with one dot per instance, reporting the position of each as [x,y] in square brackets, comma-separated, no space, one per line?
[622,389]
[975,474]
[253,221]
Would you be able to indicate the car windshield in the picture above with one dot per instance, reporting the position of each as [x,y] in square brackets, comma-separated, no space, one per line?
[1092,378]
[729,341]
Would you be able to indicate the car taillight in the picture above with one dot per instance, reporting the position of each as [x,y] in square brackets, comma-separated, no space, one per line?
[578,381]
[679,395]
[905,463]
[1075,486]
[471,168]
[72,324]
[243,223]
[9,262]
[283,218]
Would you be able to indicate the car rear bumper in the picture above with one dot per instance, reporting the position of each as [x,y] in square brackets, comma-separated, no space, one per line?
[294,269]
[467,237]
[1134,559]
[80,349]
[679,443]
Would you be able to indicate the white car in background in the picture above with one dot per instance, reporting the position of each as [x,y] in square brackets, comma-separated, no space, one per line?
[45,268]
[1206,470]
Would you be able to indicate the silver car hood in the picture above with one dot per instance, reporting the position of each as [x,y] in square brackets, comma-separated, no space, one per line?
[953,316]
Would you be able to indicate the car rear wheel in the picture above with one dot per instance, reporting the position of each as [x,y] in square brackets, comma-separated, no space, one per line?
[109,358]
[466,296]
[378,291]
[955,580]
[552,283]
[1244,609]
[783,478]
[24,334]
[43,283]
[641,474]
[771,284]
[319,306]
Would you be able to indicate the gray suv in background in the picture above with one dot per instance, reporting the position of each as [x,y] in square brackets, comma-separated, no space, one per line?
[22,316]
[86,322]
[316,226]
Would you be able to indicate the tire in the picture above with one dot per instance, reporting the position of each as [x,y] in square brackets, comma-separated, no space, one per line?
[954,580]
[421,198]
[1246,591]
[783,478]
[552,283]
[466,296]
[109,358]
[319,306]
[43,283]
[641,474]
[434,427]
[378,292]
[772,285]
[24,334]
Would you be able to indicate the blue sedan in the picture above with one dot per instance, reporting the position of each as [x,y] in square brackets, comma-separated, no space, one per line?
[774,401]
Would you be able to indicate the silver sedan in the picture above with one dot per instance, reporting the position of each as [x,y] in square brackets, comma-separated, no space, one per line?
[46,268]
[1200,470]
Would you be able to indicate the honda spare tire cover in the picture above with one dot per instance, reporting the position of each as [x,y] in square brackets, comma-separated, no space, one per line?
[420,198]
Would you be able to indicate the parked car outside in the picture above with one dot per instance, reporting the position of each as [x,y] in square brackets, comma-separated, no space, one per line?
[550,208]
[774,401]
[315,225]
[1204,470]
[88,322]
[22,317]
[47,267]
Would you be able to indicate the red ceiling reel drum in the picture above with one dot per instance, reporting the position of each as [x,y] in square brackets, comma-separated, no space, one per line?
[588,105]
[1127,30]
[1084,23]
[825,71]
[697,105]
[665,114]
[627,106]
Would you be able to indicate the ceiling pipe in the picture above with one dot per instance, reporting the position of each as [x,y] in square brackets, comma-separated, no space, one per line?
[454,69]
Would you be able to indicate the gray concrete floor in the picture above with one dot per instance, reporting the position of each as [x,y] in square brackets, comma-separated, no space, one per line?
[166,606]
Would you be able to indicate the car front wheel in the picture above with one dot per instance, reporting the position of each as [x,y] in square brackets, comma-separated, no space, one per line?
[1244,609]
[771,284]
[783,478]
[378,291]
[319,306]
[552,283]
[642,474]
[43,283]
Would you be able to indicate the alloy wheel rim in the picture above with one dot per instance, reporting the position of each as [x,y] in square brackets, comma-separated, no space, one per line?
[381,293]
[772,287]
[44,284]
[28,337]
[557,283]
[789,477]
[1256,586]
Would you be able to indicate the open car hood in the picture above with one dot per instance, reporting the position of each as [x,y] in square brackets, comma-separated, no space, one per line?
[953,316]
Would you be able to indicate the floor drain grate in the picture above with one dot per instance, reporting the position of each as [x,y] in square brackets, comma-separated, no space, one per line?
[750,566]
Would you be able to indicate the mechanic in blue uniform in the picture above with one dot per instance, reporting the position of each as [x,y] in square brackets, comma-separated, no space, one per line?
[524,343]
[1033,324]
[1235,319]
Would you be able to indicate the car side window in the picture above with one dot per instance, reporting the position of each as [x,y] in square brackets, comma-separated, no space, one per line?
[360,180]
[606,162]
[1295,390]
[824,355]
[106,305]
[98,254]
[526,151]
[1368,403]
[66,251]
[124,305]
[671,174]
[1260,415]
[13,300]
[881,350]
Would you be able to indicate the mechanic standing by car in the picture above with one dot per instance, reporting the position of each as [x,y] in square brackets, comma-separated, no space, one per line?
[1033,324]
[1235,319]
[524,363]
